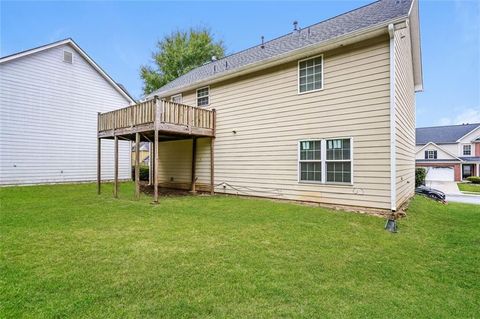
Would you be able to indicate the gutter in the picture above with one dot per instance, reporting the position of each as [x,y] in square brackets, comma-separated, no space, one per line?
[283,58]
[393,131]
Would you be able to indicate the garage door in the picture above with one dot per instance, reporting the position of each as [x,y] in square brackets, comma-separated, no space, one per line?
[440,174]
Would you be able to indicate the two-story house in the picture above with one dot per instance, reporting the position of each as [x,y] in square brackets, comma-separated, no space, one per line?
[49,100]
[449,153]
[325,114]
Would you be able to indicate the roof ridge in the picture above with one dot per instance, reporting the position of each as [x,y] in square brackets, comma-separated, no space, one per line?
[290,33]
[452,125]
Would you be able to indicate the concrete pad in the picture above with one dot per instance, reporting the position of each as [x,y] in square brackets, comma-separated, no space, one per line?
[449,188]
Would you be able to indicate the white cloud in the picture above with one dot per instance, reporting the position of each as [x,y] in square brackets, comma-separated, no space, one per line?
[469,115]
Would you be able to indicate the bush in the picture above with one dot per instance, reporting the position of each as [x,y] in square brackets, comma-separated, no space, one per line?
[474,179]
[143,172]
[420,174]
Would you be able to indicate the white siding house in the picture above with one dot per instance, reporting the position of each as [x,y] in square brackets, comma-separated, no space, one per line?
[49,100]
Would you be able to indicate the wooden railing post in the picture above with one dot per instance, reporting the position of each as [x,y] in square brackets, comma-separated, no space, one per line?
[156,124]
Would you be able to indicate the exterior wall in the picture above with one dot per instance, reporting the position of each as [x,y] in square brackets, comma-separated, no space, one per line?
[48,120]
[270,117]
[404,117]
[477,149]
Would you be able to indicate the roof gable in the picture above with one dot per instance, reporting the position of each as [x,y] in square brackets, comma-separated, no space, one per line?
[82,53]
[377,14]
[443,134]
[441,152]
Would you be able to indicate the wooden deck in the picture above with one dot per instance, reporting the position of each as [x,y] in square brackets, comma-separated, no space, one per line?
[168,118]
[155,121]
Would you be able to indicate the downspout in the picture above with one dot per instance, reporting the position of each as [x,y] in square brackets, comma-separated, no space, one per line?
[393,154]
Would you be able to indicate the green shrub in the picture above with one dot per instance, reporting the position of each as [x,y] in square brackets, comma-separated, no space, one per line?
[143,172]
[474,179]
[420,174]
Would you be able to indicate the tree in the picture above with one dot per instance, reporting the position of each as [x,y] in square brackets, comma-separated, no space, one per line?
[179,53]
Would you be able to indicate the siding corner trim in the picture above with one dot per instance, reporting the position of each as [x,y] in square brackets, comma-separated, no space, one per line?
[393,160]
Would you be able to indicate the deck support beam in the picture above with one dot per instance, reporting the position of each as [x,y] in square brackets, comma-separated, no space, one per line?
[99,166]
[137,165]
[115,170]
[194,164]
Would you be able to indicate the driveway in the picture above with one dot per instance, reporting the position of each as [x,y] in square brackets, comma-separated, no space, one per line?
[453,193]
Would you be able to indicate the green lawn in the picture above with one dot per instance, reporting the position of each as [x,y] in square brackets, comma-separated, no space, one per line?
[66,252]
[469,187]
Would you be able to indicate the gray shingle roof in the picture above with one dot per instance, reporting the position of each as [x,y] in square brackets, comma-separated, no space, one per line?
[376,13]
[443,134]
[471,158]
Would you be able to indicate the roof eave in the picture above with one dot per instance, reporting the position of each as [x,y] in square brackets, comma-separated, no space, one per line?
[414,22]
[313,49]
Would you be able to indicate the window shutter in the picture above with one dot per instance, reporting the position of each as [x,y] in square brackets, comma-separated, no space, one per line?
[426,154]
[435,154]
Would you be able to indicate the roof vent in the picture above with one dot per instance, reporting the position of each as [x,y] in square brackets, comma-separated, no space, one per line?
[214,58]
[263,42]
[67,57]
[295,25]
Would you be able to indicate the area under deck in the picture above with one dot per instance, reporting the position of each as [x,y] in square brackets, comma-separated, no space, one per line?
[155,121]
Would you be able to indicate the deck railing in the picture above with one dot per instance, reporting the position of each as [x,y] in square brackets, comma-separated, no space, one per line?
[146,112]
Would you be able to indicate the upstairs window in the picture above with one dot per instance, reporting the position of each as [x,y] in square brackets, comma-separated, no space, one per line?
[430,154]
[67,57]
[467,150]
[203,98]
[310,74]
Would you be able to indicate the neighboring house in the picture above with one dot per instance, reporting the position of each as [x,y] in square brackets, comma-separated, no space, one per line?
[450,153]
[144,153]
[323,114]
[49,100]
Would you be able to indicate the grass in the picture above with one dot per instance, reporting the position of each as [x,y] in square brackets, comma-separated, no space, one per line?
[469,187]
[66,252]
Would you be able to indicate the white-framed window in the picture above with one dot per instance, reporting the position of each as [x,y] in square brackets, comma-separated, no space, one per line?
[176,98]
[339,160]
[203,96]
[67,57]
[310,74]
[430,154]
[325,161]
[310,163]
[467,150]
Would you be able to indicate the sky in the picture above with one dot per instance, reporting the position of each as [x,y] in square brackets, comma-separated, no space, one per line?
[120,36]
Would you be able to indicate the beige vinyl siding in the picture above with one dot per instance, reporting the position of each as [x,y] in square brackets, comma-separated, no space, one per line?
[404,117]
[270,117]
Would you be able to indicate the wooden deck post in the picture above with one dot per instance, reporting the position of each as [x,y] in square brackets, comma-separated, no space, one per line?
[212,153]
[158,116]
[194,161]
[137,165]
[212,166]
[115,171]
[99,157]
[99,166]
[151,163]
